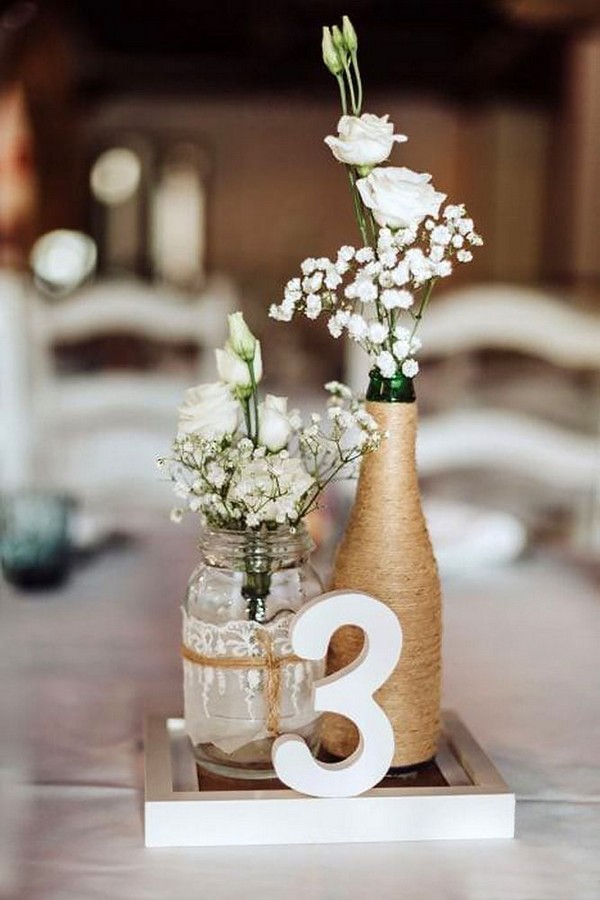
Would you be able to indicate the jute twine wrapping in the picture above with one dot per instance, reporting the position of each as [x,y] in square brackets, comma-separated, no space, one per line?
[386,552]
[269,661]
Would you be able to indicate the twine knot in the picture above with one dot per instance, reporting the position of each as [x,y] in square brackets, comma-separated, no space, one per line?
[268,661]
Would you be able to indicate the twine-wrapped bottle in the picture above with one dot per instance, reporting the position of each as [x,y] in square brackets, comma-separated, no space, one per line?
[386,551]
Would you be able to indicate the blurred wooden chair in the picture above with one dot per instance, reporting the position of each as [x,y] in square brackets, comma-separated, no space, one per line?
[96,435]
[552,441]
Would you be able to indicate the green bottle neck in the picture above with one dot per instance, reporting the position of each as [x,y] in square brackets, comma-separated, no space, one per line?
[398,389]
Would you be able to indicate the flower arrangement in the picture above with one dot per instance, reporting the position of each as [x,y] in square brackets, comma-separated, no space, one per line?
[377,293]
[246,464]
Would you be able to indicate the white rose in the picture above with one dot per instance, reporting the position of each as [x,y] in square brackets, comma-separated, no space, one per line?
[274,427]
[364,141]
[399,197]
[235,372]
[209,410]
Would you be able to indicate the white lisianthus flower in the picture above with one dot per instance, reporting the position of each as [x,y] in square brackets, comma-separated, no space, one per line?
[209,410]
[274,428]
[399,197]
[363,141]
[235,372]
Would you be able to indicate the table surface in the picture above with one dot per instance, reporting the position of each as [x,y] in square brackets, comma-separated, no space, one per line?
[520,666]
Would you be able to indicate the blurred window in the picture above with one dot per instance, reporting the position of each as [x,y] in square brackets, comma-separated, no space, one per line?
[116,175]
[178,218]
[148,209]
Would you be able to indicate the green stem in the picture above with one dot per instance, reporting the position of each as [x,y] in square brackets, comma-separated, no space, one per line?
[254,397]
[351,86]
[358,208]
[257,579]
[247,419]
[342,88]
[422,308]
[358,82]
[320,486]
[372,226]
[389,315]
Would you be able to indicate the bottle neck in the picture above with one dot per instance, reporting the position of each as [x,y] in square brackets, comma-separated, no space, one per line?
[398,389]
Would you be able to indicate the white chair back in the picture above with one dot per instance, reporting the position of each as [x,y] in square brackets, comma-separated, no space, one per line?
[538,324]
[96,435]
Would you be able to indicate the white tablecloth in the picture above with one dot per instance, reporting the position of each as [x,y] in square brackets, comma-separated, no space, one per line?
[521,667]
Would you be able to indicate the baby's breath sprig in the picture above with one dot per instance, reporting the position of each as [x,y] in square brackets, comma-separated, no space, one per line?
[378,296]
[243,464]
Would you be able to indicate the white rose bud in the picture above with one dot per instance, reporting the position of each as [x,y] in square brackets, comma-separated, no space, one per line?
[209,410]
[274,428]
[363,141]
[399,197]
[235,372]
[241,339]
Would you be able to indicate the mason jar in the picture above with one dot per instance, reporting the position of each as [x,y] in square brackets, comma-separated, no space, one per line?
[243,685]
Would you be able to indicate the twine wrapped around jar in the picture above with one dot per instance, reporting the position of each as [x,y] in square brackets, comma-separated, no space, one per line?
[386,552]
[269,661]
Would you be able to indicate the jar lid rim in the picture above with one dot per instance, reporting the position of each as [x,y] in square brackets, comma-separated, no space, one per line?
[283,535]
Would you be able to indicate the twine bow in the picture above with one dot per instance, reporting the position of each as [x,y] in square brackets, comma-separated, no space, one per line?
[269,661]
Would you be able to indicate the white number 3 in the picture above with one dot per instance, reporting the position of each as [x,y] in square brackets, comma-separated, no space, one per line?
[348,692]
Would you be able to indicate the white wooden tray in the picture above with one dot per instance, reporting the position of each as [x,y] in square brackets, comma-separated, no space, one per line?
[475,804]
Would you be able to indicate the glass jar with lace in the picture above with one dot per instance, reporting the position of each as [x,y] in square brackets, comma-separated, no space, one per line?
[243,686]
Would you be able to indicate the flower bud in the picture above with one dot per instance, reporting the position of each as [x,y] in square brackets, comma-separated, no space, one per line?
[350,39]
[338,41]
[274,428]
[241,339]
[330,54]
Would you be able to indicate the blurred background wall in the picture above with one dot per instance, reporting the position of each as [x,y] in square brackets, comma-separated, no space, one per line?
[171,156]
[499,98]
